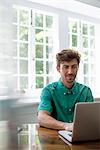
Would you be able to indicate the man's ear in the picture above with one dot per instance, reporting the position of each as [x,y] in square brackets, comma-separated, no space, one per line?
[58,68]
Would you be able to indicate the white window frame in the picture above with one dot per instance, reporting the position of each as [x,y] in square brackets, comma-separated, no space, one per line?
[31,50]
[81,76]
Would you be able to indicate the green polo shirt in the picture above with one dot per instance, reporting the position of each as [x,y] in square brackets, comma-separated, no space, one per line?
[60,101]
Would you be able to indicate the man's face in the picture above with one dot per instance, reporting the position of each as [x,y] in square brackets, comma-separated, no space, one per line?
[68,71]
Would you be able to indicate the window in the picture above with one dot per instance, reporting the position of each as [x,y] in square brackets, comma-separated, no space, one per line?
[82,37]
[44,50]
[21,48]
[34,44]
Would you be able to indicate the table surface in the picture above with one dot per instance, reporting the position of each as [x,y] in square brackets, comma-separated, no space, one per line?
[33,137]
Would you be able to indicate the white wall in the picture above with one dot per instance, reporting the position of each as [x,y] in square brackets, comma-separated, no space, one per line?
[6,47]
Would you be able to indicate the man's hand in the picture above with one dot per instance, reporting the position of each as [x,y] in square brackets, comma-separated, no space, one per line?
[68,126]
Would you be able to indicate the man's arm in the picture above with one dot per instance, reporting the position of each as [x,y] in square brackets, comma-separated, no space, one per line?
[46,120]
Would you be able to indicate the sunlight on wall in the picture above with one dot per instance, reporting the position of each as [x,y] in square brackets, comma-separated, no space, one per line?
[8,130]
[6,64]
[97,73]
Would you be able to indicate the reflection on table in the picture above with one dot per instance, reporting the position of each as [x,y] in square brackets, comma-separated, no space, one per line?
[33,137]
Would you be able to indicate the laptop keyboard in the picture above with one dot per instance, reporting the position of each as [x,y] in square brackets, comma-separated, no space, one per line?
[70,133]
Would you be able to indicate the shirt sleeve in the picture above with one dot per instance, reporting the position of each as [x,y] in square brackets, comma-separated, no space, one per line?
[90,97]
[46,100]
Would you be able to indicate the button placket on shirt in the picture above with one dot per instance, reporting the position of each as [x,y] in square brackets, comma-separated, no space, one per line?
[69,110]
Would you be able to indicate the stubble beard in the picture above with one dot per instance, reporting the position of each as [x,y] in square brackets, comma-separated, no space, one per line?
[70,79]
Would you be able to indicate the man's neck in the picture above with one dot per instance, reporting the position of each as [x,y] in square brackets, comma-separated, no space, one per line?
[68,85]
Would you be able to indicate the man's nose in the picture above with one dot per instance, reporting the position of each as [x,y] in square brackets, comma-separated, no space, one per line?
[70,70]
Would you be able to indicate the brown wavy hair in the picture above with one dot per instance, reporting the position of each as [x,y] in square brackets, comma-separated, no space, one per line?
[67,55]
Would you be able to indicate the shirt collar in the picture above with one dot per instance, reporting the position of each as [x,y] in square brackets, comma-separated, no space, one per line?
[73,90]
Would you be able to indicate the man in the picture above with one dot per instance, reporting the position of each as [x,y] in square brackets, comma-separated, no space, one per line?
[58,99]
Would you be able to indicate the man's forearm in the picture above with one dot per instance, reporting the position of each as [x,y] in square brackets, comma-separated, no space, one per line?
[49,122]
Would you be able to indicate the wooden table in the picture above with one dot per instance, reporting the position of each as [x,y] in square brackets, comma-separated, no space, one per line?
[39,138]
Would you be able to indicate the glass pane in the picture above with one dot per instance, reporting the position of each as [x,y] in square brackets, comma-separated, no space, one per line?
[49,52]
[49,37]
[49,80]
[23,67]
[92,43]
[39,35]
[3,49]
[38,20]
[93,82]
[85,29]
[86,80]
[74,40]
[85,42]
[15,49]
[15,68]
[92,69]
[49,21]
[24,17]
[5,63]
[23,33]
[49,40]
[23,82]
[39,82]
[15,32]
[73,26]
[92,55]
[85,56]
[14,15]
[39,51]
[15,79]
[23,50]
[92,30]
[39,67]
[49,67]
[85,68]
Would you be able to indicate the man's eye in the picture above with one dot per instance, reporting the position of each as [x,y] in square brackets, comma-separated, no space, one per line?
[74,67]
[65,67]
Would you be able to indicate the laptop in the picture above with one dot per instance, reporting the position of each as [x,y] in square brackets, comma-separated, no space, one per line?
[86,123]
